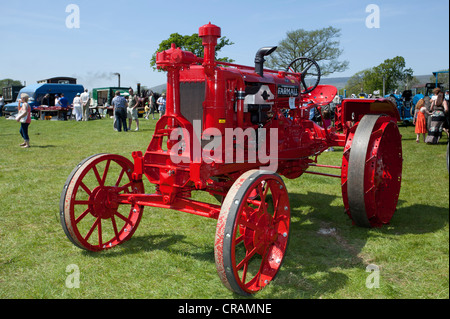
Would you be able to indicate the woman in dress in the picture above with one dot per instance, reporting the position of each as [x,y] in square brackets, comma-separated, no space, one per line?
[439,107]
[419,120]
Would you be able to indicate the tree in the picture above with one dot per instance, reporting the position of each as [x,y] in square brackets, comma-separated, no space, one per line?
[392,71]
[321,45]
[8,82]
[191,43]
[356,83]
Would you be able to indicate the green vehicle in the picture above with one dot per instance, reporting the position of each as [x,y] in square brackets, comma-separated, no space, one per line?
[104,96]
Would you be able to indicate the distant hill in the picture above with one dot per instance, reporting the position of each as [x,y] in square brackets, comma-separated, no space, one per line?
[339,82]
[159,88]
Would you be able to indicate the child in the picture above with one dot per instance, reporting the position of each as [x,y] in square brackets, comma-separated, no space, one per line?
[419,120]
[326,119]
[147,111]
[24,117]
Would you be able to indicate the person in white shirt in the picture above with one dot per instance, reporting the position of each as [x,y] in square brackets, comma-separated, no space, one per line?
[162,105]
[2,104]
[85,105]
[77,108]
[57,98]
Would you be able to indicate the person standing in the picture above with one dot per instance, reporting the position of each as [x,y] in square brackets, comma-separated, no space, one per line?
[132,112]
[64,102]
[439,107]
[57,103]
[153,105]
[77,108]
[120,110]
[420,121]
[85,105]
[162,105]
[2,104]
[24,117]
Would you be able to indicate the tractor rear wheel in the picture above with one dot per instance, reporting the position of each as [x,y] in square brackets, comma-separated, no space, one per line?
[91,214]
[252,232]
[372,170]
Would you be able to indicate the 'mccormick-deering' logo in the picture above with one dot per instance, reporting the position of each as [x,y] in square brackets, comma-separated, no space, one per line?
[287,90]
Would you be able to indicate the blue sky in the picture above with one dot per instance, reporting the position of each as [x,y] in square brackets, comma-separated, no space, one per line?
[121,36]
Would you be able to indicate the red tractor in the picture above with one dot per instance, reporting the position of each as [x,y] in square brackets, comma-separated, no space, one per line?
[233,131]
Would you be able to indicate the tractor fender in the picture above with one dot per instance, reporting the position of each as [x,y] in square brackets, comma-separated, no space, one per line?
[353,110]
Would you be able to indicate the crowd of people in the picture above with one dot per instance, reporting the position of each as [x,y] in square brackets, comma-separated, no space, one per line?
[126,109]
[431,120]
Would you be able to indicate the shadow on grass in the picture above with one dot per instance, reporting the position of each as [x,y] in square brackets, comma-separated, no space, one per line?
[323,241]
[42,146]
[314,259]
[138,244]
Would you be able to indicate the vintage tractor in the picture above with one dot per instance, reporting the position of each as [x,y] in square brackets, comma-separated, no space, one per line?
[233,131]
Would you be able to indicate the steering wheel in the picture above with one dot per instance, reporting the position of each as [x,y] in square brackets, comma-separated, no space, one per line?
[308,67]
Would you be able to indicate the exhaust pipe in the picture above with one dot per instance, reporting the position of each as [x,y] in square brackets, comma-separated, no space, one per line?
[259,59]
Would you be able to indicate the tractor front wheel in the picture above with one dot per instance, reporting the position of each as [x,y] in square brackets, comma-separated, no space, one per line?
[91,214]
[252,232]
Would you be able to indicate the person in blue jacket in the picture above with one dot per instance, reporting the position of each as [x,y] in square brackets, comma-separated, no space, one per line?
[64,104]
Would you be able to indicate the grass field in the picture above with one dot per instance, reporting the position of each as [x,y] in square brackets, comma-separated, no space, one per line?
[171,254]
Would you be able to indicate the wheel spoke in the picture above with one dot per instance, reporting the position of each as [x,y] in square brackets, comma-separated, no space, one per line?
[239,239]
[86,189]
[99,228]
[275,210]
[244,273]
[105,172]
[87,211]
[125,187]
[113,220]
[247,257]
[263,193]
[92,229]
[97,175]
[124,218]
[120,177]
[82,202]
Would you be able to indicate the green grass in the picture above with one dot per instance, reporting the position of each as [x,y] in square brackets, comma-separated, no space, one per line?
[171,254]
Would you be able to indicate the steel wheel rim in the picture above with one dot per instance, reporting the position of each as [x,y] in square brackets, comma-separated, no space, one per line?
[255,237]
[371,185]
[92,217]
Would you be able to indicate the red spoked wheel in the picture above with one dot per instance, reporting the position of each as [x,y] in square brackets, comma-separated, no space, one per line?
[252,232]
[372,170]
[91,214]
